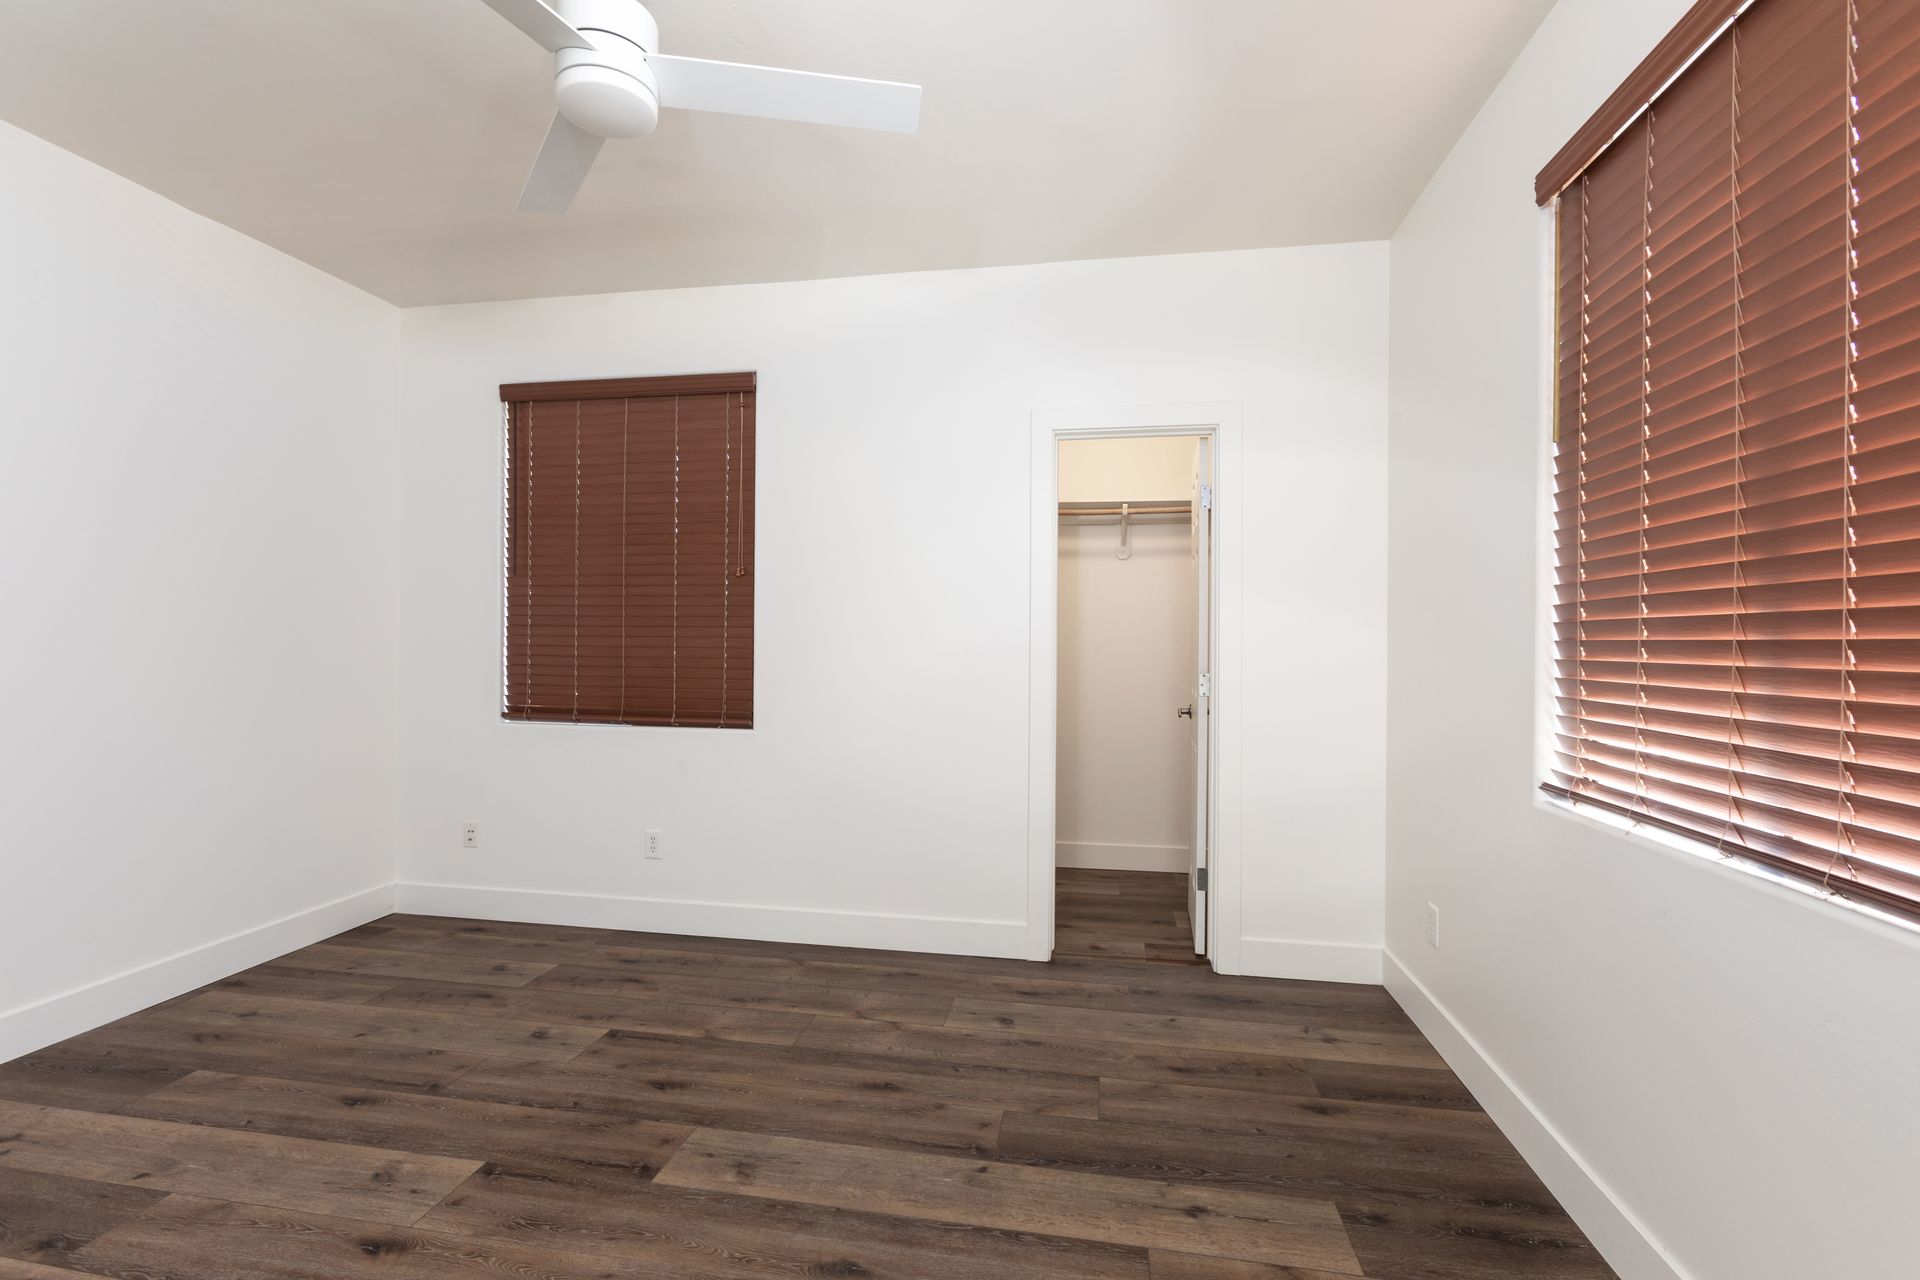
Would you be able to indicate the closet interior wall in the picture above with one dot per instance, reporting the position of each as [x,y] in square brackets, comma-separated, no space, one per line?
[1125,773]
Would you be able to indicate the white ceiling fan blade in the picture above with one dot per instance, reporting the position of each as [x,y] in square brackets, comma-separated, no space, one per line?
[538,20]
[694,84]
[560,167]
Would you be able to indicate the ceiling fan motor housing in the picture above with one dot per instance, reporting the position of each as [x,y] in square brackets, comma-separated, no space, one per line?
[608,90]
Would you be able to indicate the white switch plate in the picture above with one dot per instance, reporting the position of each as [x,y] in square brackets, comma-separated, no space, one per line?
[653,846]
[1433,926]
[470,835]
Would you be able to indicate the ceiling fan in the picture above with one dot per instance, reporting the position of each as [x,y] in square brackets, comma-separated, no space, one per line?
[610,81]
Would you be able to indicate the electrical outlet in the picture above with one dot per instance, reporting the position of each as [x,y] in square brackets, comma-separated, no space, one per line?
[653,846]
[470,835]
[1433,926]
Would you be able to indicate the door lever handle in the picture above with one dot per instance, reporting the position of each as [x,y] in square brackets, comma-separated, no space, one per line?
[1186,711]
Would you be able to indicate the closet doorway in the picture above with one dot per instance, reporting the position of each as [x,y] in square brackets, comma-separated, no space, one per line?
[1133,749]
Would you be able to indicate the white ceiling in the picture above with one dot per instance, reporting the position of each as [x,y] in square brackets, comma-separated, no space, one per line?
[385,140]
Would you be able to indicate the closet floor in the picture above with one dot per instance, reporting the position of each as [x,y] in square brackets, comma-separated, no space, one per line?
[1122,915]
[433,1099]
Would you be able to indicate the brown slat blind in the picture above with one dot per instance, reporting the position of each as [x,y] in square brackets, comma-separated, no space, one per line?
[1737,484]
[629,551]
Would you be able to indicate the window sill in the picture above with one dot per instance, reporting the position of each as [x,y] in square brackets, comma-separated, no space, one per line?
[1732,865]
[622,724]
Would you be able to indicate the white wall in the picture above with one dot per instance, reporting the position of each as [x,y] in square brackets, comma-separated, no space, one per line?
[1732,1068]
[1125,781]
[197,507]
[881,797]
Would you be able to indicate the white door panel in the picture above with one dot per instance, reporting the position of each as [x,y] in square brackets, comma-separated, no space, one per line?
[1202,703]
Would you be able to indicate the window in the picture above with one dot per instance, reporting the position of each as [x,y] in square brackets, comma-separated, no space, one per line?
[629,551]
[1737,483]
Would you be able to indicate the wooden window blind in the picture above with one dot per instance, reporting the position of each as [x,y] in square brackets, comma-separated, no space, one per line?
[1737,480]
[628,574]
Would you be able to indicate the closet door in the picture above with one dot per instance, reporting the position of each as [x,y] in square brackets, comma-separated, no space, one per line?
[1201,723]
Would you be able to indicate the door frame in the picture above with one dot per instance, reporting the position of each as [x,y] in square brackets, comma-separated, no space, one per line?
[1220,422]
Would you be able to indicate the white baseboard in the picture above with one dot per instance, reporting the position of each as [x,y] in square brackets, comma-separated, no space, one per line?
[942,935]
[1621,1238]
[1310,961]
[44,1022]
[1092,856]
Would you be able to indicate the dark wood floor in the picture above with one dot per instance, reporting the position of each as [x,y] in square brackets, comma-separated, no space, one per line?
[1122,915]
[431,1099]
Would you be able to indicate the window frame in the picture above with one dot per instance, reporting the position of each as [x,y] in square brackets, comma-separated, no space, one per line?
[1650,834]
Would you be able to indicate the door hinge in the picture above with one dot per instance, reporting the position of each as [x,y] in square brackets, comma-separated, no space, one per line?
[1206,497]
[1206,684]
[1200,879]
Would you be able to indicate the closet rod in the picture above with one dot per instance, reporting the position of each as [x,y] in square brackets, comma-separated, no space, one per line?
[1133,508]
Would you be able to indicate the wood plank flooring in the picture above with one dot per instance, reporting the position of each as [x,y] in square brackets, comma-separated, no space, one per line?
[1122,915]
[432,1099]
